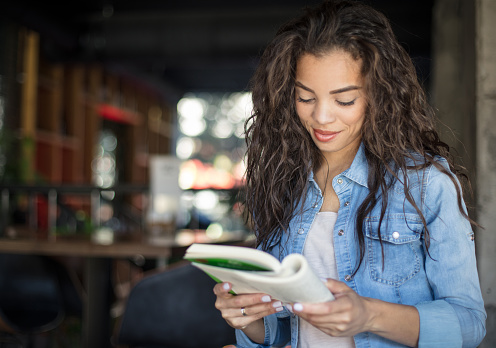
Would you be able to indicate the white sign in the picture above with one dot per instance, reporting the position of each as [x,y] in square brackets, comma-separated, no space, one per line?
[165,192]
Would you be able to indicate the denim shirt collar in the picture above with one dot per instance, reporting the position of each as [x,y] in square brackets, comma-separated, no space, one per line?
[358,171]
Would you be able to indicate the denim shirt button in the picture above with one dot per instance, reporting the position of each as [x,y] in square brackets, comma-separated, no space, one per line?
[340,232]
[346,204]
[396,235]
[301,231]
[347,277]
[339,181]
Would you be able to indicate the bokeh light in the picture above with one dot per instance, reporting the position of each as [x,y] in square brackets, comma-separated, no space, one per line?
[211,127]
[191,108]
[103,165]
[206,200]
[214,230]
[185,147]
[191,111]
[192,127]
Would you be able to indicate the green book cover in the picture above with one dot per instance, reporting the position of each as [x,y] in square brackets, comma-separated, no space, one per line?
[230,263]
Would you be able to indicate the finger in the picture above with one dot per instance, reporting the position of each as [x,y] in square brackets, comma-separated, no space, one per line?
[247,300]
[237,319]
[331,307]
[259,310]
[333,312]
[228,301]
[336,286]
[222,288]
[315,317]
[241,300]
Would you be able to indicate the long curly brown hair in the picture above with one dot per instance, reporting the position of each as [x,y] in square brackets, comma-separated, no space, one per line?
[398,122]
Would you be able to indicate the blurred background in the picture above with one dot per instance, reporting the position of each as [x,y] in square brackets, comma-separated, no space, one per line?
[122,140]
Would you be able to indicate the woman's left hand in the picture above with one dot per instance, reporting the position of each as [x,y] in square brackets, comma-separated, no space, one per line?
[348,315]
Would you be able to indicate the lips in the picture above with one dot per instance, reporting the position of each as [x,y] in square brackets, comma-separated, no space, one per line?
[324,136]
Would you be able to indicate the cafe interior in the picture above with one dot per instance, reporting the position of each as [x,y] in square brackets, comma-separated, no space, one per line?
[121,144]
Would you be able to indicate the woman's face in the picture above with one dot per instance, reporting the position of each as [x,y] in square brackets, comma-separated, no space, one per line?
[331,102]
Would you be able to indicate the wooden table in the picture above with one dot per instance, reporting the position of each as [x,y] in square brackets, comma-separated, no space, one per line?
[97,258]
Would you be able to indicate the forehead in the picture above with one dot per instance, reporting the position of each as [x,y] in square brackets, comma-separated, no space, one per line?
[334,68]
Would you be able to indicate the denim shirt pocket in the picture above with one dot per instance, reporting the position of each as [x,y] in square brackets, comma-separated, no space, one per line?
[401,247]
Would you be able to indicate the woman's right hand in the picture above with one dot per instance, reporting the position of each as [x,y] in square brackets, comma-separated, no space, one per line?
[241,311]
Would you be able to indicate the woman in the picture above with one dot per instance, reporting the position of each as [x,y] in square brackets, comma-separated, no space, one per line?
[346,167]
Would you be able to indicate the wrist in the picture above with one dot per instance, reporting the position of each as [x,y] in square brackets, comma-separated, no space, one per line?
[255,331]
[397,322]
[373,309]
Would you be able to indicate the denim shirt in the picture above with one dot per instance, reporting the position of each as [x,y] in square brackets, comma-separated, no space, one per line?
[442,284]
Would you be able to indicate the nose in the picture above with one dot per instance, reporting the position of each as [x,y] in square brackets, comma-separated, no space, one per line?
[323,113]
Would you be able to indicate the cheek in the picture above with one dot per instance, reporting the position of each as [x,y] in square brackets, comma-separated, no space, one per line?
[356,119]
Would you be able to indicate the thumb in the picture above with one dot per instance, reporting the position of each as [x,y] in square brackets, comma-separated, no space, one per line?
[336,286]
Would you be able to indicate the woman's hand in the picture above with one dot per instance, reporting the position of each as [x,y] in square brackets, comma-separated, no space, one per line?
[350,314]
[245,311]
[347,315]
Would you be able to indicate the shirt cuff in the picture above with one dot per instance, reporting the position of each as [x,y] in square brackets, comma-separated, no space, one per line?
[439,325]
[277,330]
[243,341]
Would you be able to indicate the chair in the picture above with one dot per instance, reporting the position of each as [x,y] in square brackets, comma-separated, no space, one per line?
[30,297]
[176,309]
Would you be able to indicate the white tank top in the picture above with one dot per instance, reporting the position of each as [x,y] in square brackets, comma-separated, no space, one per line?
[319,251]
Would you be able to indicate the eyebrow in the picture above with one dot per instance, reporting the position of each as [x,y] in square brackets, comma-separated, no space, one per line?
[336,91]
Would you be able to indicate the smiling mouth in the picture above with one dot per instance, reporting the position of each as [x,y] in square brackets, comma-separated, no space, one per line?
[324,136]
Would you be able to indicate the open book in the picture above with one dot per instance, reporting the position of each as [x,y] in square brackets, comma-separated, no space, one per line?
[253,271]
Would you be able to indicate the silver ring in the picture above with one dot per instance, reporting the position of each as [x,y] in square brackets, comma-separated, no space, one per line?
[243,311]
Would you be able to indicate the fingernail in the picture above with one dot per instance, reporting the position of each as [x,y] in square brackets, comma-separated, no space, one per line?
[278,309]
[298,307]
[277,304]
[289,308]
[225,286]
[266,298]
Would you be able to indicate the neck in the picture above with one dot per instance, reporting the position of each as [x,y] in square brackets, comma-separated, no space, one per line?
[334,163]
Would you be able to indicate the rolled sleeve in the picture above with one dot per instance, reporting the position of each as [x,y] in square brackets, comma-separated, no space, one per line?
[277,334]
[439,325]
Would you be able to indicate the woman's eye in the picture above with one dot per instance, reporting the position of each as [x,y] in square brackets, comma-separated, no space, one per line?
[346,103]
[301,100]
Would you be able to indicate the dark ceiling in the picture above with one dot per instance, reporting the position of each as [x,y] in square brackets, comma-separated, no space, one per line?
[189,45]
